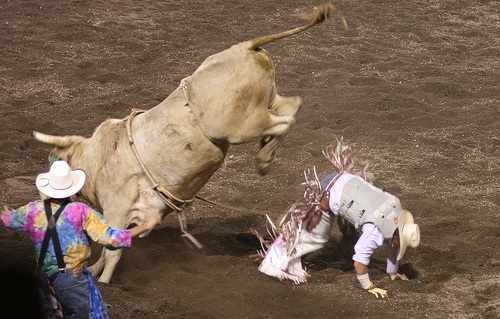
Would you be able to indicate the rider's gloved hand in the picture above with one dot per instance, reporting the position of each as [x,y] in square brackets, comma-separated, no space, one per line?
[366,284]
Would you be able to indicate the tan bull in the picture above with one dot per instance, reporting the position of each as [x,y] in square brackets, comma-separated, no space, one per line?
[177,145]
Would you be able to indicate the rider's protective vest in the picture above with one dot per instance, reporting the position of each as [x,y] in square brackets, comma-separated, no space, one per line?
[359,202]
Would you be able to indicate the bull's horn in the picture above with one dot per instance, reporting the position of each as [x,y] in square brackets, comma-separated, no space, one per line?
[59,141]
[319,14]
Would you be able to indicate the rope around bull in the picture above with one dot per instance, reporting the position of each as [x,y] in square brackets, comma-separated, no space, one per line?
[177,204]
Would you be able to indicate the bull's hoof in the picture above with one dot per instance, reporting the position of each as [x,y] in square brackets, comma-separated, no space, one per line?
[96,269]
[104,280]
[262,168]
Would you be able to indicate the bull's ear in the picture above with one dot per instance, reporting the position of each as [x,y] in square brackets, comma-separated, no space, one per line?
[286,105]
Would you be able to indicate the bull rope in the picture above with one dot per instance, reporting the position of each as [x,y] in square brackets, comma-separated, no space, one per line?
[177,204]
[174,202]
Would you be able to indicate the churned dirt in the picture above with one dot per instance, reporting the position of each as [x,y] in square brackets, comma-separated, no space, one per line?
[412,85]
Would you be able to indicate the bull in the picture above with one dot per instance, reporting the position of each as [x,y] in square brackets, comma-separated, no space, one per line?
[142,167]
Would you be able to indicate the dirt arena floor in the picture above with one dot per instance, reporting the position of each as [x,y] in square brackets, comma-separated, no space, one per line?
[412,85]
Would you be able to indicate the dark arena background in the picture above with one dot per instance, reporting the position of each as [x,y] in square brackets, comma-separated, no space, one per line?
[413,86]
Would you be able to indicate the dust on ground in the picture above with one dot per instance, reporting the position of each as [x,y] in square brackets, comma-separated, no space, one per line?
[412,85]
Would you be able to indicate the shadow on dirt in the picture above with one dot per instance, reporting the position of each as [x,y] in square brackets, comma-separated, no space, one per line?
[229,244]
[410,271]
[336,254]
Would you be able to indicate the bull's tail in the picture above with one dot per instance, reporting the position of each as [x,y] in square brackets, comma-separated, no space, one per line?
[319,14]
[57,141]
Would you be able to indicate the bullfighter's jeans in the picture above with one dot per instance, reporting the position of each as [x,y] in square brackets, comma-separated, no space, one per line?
[73,294]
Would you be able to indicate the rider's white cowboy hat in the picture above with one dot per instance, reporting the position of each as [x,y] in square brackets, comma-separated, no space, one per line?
[409,233]
[60,181]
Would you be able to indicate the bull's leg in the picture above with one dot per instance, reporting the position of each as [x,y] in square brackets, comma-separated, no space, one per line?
[146,209]
[108,259]
[279,124]
[111,259]
[98,266]
[120,212]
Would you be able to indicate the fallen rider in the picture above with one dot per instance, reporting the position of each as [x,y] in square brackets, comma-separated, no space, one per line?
[376,215]
[68,224]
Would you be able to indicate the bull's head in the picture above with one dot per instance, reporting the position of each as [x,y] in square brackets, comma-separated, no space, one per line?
[234,96]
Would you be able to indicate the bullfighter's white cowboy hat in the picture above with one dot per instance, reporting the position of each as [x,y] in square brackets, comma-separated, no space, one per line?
[60,181]
[409,233]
